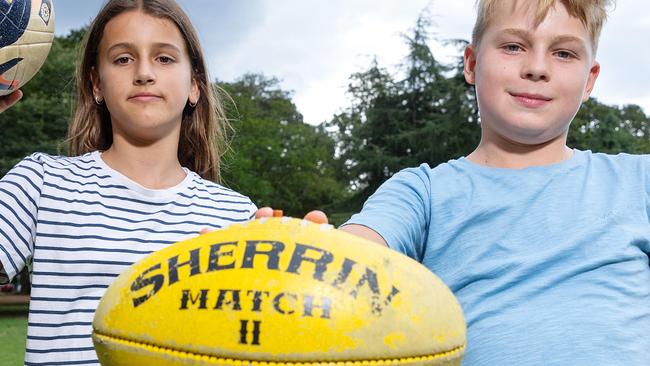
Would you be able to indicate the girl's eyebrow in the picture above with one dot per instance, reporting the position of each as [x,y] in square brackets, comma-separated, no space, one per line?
[155,45]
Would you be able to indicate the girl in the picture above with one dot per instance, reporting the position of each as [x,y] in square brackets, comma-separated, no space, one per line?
[146,136]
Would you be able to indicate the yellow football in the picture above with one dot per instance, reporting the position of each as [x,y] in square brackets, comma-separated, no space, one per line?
[274,292]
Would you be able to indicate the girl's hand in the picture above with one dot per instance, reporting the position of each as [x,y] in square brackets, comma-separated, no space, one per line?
[6,101]
[316,216]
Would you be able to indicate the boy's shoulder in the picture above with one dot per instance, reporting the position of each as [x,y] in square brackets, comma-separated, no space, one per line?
[620,161]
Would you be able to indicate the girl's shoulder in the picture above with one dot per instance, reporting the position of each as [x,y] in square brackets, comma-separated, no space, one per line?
[85,161]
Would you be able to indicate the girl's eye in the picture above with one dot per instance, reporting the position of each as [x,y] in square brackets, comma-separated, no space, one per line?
[122,60]
[165,60]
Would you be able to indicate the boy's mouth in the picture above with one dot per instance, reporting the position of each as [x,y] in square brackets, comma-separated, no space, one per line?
[531,100]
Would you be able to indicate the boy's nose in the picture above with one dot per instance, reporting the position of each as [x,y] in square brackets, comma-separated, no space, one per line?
[535,69]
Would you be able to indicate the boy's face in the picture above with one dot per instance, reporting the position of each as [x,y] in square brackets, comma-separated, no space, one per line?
[530,82]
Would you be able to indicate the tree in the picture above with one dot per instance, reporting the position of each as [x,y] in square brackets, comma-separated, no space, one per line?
[427,115]
[276,158]
[610,129]
[39,121]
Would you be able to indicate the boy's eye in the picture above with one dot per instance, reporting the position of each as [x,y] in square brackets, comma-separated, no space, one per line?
[512,48]
[566,55]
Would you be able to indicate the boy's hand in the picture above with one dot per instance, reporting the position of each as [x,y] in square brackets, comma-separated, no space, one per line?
[6,101]
[316,216]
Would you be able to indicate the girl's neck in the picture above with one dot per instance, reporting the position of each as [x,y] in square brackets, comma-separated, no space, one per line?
[153,166]
[518,156]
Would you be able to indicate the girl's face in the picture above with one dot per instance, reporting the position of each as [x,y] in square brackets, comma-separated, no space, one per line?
[144,75]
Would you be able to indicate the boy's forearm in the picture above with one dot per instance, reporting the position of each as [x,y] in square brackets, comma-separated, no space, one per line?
[364,232]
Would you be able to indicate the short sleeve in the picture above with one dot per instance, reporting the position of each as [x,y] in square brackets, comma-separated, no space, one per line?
[20,191]
[400,211]
[646,177]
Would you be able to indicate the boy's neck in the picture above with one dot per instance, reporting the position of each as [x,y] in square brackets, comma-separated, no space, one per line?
[154,166]
[518,156]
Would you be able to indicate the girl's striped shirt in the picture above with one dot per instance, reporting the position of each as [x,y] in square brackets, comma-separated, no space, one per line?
[81,224]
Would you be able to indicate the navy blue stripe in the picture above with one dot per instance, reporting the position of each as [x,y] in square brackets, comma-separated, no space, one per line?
[68,274]
[236,195]
[97,213]
[53,338]
[66,168]
[11,261]
[59,325]
[58,299]
[82,261]
[63,363]
[22,257]
[88,183]
[69,287]
[209,184]
[116,228]
[63,312]
[97,237]
[136,211]
[90,249]
[38,189]
[22,190]
[14,212]
[55,350]
[61,163]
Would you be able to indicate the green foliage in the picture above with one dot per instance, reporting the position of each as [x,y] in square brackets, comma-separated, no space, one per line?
[427,115]
[610,129]
[276,158]
[39,121]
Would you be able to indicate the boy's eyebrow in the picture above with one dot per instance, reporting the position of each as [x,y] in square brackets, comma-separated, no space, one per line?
[526,35]
[155,45]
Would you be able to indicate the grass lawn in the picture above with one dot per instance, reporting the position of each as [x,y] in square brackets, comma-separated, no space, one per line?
[13,331]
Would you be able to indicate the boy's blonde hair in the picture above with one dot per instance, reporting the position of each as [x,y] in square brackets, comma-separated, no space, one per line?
[204,126]
[592,14]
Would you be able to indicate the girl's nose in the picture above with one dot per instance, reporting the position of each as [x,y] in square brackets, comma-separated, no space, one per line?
[144,74]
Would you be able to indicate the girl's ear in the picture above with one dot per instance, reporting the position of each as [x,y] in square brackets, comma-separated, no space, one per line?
[195,92]
[94,79]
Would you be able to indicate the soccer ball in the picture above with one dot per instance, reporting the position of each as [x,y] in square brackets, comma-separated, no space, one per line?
[26,35]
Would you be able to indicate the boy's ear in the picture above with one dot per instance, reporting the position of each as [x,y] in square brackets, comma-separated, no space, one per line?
[469,63]
[591,80]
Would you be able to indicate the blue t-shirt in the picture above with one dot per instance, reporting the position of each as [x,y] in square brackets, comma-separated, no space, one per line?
[550,264]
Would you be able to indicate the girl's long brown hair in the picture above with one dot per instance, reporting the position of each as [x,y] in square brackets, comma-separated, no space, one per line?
[203,130]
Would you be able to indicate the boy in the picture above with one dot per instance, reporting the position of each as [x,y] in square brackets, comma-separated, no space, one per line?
[545,247]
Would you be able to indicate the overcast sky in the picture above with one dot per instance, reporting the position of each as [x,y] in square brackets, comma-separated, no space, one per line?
[314,46]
